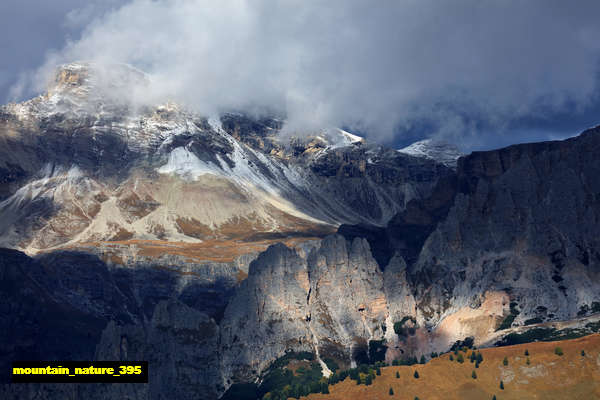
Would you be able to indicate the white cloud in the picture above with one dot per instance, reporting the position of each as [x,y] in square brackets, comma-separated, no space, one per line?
[372,65]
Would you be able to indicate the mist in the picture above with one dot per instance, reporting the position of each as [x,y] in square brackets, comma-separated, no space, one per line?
[468,72]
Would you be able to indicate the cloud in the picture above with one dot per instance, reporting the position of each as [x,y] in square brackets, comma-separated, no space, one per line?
[31,28]
[458,69]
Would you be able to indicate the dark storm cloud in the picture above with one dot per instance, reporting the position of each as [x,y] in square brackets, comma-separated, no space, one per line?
[468,71]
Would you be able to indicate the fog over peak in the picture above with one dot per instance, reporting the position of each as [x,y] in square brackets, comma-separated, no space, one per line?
[467,71]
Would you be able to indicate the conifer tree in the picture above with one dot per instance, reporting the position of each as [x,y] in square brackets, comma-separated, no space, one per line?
[501,385]
[397,375]
[422,361]
[582,353]
[558,351]
[494,397]
[391,392]
[526,352]
[451,358]
[474,375]
[416,374]
[378,371]
[505,361]
[460,358]
[527,362]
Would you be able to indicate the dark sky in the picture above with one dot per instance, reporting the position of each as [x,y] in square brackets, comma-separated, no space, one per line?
[480,74]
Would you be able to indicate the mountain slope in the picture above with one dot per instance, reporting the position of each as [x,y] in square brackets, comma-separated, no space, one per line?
[83,164]
[547,376]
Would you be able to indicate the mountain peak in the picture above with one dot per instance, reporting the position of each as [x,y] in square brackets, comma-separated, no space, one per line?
[82,78]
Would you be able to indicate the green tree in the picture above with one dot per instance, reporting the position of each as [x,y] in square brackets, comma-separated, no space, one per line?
[558,351]
[378,371]
[494,397]
[391,392]
[416,374]
[501,385]
[305,390]
[460,358]
[505,361]
[397,374]
[528,361]
[479,357]
[368,380]
[324,388]
[474,375]
[526,352]
[422,361]
[582,353]
[451,358]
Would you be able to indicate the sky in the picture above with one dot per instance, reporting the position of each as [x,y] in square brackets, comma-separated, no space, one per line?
[480,74]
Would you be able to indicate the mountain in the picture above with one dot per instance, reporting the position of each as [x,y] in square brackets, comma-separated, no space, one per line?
[81,165]
[219,248]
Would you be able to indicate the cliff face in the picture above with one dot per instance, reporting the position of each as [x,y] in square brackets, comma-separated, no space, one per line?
[330,303]
[514,235]
[72,306]
[525,222]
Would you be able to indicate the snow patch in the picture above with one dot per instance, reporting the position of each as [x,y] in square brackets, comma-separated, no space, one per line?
[185,163]
[444,153]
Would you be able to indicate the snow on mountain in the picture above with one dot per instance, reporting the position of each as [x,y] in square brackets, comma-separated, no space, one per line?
[165,173]
[442,152]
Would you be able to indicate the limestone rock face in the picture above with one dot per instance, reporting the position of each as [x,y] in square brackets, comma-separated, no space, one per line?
[514,233]
[347,302]
[267,315]
[180,345]
[525,222]
[330,303]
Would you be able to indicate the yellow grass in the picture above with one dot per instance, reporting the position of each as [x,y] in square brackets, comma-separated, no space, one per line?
[548,377]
